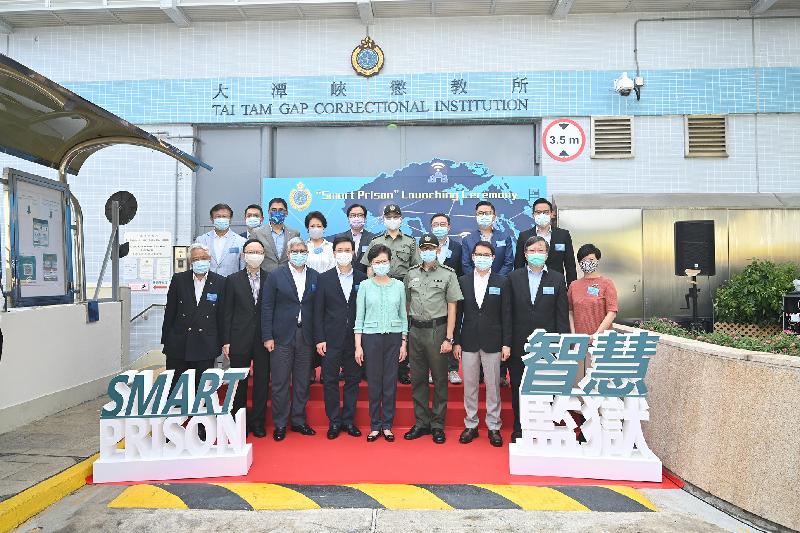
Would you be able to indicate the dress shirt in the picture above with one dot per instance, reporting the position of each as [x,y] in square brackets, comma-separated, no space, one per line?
[444,251]
[278,239]
[481,281]
[219,245]
[356,239]
[199,285]
[534,279]
[545,234]
[346,281]
[300,284]
[255,282]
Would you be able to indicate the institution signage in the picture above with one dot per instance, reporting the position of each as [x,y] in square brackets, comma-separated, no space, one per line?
[160,427]
[605,441]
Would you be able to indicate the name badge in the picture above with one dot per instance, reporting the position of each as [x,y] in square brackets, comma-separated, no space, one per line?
[313,287]
[365,249]
[356,286]
[548,290]
[494,290]
[211,296]
[318,250]
[593,291]
[234,250]
[498,244]
[560,247]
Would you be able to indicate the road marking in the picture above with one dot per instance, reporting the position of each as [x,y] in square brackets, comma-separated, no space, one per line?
[147,497]
[402,496]
[537,498]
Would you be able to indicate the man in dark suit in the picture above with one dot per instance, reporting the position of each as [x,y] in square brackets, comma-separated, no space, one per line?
[449,254]
[357,217]
[193,319]
[241,333]
[334,318]
[538,299]
[287,317]
[561,257]
[483,339]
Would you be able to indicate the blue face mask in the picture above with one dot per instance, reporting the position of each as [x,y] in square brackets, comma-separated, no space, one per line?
[536,259]
[277,217]
[201,266]
[427,256]
[484,221]
[439,231]
[298,258]
[381,269]
[253,222]
[482,262]
[222,223]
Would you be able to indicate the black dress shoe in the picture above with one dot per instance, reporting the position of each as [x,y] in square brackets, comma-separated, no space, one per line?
[438,436]
[279,433]
[373,437]
[405,380]
[495,438]
[388,435]
[334,431]
[516,434]
[416,432]
[352,430]
[259,432]
[468,435]
[305,429]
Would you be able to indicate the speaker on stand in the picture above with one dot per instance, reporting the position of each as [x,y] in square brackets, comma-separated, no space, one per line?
[694,256]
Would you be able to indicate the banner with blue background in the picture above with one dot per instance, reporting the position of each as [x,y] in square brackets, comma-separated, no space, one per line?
[420,189]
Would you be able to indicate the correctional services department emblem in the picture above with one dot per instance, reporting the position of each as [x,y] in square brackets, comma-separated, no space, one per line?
[300,197]
[367,58]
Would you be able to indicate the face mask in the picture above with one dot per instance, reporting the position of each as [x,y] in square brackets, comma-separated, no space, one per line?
[484,221]
[277,217]
[298,258]
[316,233]
[482,262]
[252,222]
[253,260]
[439,231]
[381,269]
[201,266]
[393,223]
[588,265]
[536,259]
[541,219]
[222,223]
[343,258]
[356,222]
[427,256]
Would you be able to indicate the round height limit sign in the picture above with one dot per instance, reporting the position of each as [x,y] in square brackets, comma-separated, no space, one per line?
[563,139]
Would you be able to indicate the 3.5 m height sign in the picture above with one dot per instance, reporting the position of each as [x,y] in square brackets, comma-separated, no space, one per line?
[563,139]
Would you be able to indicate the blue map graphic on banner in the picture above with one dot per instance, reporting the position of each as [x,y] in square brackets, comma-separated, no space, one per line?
[420,189]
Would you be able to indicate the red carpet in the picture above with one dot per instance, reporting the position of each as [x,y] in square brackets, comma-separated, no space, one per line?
[317,460]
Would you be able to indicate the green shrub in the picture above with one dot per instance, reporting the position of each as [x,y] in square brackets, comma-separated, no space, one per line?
[755,296]
[786,342]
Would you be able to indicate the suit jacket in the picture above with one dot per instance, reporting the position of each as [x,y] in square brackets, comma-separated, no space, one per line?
[334,317]
[191,331]
[280,307]
[242,314]
[273,258]
[551,311]
[487,327]
[503,256]
[453,257]
[561,256]
[363,247]
[231,259]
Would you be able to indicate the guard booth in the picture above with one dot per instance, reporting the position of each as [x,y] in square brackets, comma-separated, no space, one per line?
[59,348]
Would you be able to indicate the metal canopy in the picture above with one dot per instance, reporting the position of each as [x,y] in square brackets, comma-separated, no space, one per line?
[43,122]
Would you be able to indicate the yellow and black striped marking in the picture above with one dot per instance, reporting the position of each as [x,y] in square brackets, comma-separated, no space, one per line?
[266,496]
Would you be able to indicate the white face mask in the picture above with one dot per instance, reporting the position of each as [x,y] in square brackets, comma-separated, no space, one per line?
[393,223]
[316,233]
[253,260]
[343,258]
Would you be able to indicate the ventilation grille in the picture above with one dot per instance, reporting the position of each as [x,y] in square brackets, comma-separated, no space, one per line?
[706,136]
[612,137]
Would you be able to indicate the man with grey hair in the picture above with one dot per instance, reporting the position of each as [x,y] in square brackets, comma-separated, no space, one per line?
[193,317]
[287,320]
[538,300]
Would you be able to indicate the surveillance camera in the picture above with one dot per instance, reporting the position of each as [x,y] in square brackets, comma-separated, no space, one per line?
[623,85]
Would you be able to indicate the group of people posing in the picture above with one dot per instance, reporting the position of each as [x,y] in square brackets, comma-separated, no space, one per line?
[381,307]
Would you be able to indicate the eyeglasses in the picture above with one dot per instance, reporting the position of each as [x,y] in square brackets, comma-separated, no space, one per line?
[482,255]
[542,212]
[440,225]
[490,213]
[380,262]
[278,211]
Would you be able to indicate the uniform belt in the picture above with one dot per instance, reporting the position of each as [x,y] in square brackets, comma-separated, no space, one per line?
[429,323]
